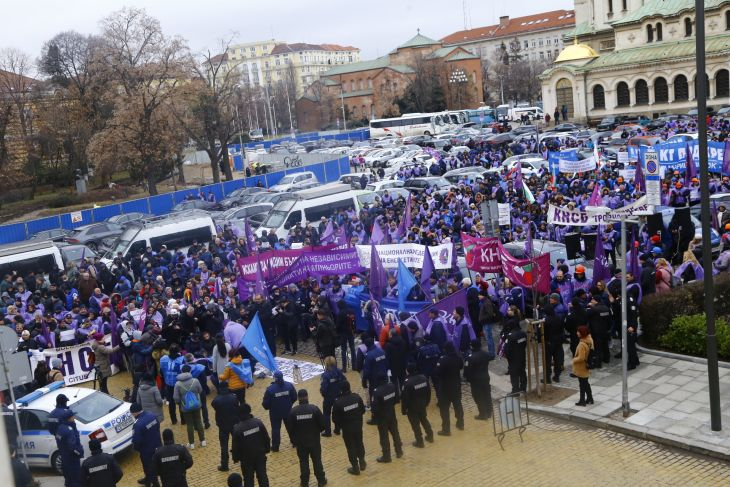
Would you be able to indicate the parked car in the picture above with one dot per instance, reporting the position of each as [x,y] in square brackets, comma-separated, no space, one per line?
[193,205]
[55,235]
[609,123]
[385,184]
[296,181]
[421,184]
[564,127]
[75,253]
[93,234]
[241,212]
[473,173]
[125,218]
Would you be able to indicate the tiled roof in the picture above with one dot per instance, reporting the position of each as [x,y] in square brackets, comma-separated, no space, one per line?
[660,52]
[520,25]
[461,56]
[401,68]
[418,41]
[665,8]
[378,63]
[303,46]
[439,53]
[9,80]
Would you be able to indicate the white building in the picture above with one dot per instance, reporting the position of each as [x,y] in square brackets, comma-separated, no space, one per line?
[638,57]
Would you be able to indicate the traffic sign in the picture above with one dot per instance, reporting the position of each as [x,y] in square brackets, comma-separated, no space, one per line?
[653,186]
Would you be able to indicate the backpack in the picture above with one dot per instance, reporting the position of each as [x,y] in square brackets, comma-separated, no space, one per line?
[593,361]
[190,400]
[675,281]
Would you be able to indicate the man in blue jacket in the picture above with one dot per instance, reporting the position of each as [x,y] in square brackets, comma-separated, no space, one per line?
[278,400]
[54,418]
[69,444]
[146,439]
[170,366]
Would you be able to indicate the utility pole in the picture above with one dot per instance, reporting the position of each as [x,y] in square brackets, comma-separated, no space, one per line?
[713,376]
[342,99]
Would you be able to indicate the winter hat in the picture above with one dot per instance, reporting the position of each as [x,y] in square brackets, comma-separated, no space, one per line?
[98,336]
[56,363]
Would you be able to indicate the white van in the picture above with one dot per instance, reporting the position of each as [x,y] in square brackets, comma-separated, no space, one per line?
[535,113]
[309,205]
[24,257]
[174,231]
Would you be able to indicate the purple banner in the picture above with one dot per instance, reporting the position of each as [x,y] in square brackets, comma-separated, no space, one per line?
[317,264]
[445,309]
[273,263]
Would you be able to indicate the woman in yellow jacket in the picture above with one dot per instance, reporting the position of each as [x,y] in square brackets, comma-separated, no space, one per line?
[580,365]
[238,374]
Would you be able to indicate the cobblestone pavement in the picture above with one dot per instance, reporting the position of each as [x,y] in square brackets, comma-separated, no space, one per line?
[552,453]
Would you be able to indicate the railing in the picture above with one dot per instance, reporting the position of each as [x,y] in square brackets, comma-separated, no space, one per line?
[326,172]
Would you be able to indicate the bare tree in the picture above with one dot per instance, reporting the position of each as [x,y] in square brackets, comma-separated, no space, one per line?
[147,67]
[207,109]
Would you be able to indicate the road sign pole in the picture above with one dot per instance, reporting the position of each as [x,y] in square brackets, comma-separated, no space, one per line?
[624,324]
[6,371]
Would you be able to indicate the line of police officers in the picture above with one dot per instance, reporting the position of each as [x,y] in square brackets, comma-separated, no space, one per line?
[305,422]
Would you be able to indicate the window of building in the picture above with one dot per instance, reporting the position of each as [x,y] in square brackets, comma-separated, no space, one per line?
[527,43]
[727,20]
[610,7]
[641,90]
[659,31]
[687,27]
[534,44]
[722,83]
[539,42]
[599,97]
[542,56]
[547,41]
[649,33]
[278,62]
[623,95]
[370,83]
[352,85]
[681,88]
[623,5]
[361,84]
[549,55]
[557,52]
[661,91]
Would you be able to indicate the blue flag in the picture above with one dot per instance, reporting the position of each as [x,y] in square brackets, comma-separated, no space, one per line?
[406,281]
[255,342]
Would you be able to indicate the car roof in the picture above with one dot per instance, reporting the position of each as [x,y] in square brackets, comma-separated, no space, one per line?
[45,397]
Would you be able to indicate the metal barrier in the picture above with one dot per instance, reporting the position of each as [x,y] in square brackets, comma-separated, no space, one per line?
[510,413]
[326,172]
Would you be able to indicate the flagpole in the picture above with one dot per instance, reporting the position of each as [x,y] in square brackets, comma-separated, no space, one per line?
[624,325]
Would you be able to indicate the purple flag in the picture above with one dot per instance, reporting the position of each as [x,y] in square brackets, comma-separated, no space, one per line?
[378,277]
[49,337]
[327,234]
[260,287]
[250,238]
[726,159]
[116,358]
[690,170]
[634,265]
[340,237]
[445,309]
[377,317]
[194,290]
[405,223]
[518,179]
[528,241]
[601,271]
[595,199]
[243,292]
[217,289]
[639,179]
[143,315]
[377,236]
[426,273]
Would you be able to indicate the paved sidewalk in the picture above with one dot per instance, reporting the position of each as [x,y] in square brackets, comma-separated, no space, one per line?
[668,397]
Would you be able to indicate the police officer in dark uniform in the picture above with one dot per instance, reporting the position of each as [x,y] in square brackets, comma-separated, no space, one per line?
[278,400]
[415,400]
[385,398]
[476,371]
[55,415]
[329,387]
[515,350]
[374,369]
[69,444]
[599,324]
[427,356]
[170,461]
[251,443]
[448,375]
[347,415]
[100,469]
[306,422]
[145,439]
[225,406]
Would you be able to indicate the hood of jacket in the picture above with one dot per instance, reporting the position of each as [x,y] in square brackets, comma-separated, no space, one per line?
[184,377]
[145,386]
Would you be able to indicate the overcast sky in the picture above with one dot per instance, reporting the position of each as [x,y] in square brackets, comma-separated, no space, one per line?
[375,26]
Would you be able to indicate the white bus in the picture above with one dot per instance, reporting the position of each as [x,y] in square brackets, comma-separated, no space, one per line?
[459,117]
[410,124]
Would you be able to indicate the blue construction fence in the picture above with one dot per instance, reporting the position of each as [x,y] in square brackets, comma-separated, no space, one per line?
[355,135]
[326,172]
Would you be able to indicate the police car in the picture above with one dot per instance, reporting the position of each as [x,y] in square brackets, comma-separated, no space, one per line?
[97,415]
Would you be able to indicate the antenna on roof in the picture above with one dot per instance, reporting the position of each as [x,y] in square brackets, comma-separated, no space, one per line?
[463,8]
[418,30]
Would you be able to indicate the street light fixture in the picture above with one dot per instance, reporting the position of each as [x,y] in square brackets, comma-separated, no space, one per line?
[458,78]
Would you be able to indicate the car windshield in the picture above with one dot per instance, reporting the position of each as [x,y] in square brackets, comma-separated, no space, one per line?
[286,179]
[94,406]
[118,246]
[276,219]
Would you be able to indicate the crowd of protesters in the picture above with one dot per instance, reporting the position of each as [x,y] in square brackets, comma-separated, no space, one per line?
[177,318]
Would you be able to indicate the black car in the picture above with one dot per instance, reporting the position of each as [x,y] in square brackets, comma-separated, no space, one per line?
[126,218]
[193,205]
[564,127]
[609,123]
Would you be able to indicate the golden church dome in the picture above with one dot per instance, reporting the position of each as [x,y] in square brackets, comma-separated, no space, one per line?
[576,52]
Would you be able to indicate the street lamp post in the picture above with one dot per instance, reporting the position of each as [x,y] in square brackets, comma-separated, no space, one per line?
[713,376]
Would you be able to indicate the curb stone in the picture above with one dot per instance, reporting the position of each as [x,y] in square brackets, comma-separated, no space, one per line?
[637,431]
[678,356]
